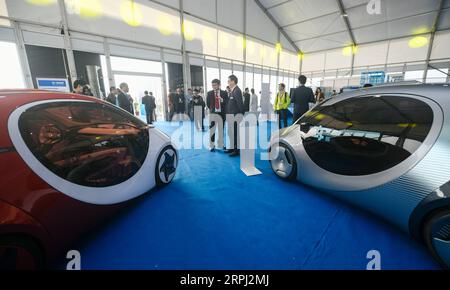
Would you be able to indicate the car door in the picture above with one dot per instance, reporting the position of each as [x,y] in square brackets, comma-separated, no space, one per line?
[91,151]
[361,142]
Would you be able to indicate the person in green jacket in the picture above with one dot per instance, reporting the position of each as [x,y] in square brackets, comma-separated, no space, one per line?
[282,102]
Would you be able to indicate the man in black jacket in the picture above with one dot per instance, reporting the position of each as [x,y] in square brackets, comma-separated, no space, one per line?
[301,98]
[216,101]
[150,105]
[180,102]
[112,97]
[235,110]
[247,100]
[124,99]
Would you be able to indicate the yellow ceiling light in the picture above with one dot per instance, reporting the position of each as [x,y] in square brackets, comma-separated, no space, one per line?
[165,24]
[418,41]
[349,50]
[42,2]
[240,42]
[188,31]
[224,41]
[131,13]
[278,47]
[421,30]
[301,56]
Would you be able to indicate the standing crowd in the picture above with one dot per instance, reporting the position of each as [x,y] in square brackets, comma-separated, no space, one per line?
[224,106]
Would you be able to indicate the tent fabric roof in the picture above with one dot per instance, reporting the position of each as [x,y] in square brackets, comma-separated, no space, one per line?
[315,25]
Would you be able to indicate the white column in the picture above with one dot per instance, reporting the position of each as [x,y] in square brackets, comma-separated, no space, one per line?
[68,42]
[112,81]
[23,55]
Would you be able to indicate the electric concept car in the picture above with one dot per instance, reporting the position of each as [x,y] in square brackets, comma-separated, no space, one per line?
[385,149]
[67,162]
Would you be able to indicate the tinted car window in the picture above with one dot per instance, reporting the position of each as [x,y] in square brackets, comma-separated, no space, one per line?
[367,135]
[88,144]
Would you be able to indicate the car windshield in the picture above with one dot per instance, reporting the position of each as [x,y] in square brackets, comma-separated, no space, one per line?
[86,143]
[365,135]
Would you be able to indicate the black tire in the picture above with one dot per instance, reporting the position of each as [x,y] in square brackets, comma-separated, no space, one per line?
[11,245]
[427,232]
[159,181]
[290,158]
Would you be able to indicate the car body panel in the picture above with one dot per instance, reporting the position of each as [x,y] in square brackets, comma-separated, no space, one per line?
[17,222]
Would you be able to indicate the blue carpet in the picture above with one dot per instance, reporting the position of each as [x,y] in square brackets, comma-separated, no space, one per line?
[214,217]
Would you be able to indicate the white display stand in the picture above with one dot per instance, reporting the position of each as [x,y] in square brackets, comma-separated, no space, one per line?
[248,134]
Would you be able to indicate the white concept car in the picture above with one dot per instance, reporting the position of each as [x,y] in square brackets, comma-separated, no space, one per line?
[384,149]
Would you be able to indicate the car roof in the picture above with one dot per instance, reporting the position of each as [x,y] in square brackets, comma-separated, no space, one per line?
[440,93]
[12,99]
[36,95]
[14,91]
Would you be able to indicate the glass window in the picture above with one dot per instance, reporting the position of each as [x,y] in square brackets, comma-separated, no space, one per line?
[11,78]
[211,74]
[257,84]
[249,80]
[88,144]
[240,77]
[362,136]
[224,74]
[437,76]
[135,65]
[416,75]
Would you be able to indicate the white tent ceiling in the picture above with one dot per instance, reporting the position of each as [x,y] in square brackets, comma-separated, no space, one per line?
[316,25]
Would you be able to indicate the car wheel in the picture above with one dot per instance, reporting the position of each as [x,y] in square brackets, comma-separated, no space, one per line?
[166,166]
[436,235]
[20,253]
[283,162]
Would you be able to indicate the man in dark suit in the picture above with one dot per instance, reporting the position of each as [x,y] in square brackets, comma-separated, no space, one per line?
[235,110]
[247,100]
[216,101]
[180,102]
[150,105]
[124,99]
[171,105]
[301,98]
